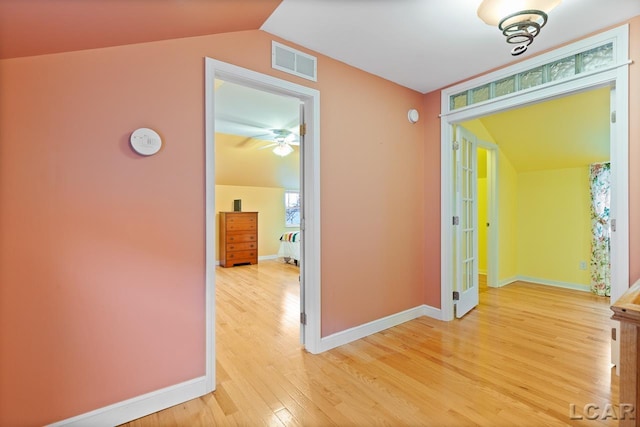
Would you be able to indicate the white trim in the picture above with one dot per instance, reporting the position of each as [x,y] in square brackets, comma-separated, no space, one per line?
[375,326]
[554,283]
[139,406]
[507,281]
[492,211]
[267,257]
[616,75]
[312,241]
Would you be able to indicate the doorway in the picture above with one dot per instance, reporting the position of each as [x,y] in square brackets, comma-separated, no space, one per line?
[615,75]
[310,213]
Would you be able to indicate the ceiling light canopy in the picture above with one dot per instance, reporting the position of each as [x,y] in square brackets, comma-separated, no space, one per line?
[519,20]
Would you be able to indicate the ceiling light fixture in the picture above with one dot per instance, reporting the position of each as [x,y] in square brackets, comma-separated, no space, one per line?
[519,20]
[283,149]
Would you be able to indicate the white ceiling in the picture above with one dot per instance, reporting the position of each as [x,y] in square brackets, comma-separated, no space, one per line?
[427,44]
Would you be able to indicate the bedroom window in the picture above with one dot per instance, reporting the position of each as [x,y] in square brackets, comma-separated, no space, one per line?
[292,208]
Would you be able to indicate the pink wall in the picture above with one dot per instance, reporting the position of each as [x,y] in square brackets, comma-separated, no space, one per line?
[102,251]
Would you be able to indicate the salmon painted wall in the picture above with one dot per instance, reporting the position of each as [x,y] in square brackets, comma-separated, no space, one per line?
[432,148]
[102,251]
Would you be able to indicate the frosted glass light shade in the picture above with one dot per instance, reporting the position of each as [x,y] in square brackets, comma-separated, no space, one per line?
[493,11]
[283,149]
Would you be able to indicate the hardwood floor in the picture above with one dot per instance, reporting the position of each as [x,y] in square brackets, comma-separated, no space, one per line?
[522,357]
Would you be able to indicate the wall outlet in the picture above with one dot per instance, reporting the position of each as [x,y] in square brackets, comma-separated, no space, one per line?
[583,265]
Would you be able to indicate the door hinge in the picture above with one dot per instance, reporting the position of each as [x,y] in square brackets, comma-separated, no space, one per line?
[456,296]
[456,145]
[303,129]
[613,117]
[456,220]
[303,318]
[613,224]
[613,333]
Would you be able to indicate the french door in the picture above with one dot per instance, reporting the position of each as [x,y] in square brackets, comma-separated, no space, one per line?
[465,221]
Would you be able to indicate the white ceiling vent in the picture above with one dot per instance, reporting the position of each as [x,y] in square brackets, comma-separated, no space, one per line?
[292,61]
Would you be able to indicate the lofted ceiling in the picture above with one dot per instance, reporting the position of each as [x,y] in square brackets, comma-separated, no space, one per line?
[568,132]
[37,27]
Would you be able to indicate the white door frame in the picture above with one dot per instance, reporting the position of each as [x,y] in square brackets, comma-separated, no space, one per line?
[310,221]
[492,212]
[616,75]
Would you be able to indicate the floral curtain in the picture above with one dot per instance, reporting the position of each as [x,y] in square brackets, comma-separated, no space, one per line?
[600,178]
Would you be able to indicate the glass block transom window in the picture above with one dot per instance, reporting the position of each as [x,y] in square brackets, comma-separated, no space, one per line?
[565,68]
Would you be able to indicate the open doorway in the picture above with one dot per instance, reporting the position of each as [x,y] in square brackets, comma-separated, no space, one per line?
[527,83]
[258,200]
[544,232]
[310,210]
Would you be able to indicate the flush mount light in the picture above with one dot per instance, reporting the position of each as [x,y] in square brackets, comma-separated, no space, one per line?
[519,20]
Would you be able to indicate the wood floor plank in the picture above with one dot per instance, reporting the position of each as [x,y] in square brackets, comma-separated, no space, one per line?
[522,357]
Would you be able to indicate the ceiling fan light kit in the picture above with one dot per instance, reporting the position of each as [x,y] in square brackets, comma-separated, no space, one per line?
[283,149]
[519,21]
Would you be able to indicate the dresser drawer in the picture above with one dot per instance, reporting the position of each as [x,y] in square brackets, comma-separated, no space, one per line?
[242,222]
[241,246]
[238,256]
[240,237]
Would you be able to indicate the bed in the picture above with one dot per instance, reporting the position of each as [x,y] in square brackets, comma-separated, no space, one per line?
[290,247]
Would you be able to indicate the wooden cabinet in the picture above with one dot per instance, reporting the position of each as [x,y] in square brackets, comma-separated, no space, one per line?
[238,238]
[627,311]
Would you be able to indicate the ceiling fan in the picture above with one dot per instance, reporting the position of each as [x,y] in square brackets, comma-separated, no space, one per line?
[283,139]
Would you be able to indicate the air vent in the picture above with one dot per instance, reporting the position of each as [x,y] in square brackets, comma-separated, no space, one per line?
[292,61]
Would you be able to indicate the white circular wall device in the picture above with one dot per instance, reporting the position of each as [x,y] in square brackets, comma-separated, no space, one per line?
[413,115]
[145,141]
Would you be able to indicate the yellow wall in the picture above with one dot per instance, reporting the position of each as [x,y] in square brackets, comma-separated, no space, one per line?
[482,224]
[268,202]
[554,225]
[507,219]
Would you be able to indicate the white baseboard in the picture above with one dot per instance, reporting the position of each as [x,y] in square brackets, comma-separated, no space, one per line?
[140,406]
[375,326]
[555,283]
[508,281]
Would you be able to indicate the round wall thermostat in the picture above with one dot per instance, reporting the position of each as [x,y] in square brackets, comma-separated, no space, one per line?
[145,141]
[413,115]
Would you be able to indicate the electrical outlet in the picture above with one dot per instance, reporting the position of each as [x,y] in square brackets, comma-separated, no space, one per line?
[583,265]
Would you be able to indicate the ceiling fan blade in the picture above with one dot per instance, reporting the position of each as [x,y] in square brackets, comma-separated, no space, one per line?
[267,146]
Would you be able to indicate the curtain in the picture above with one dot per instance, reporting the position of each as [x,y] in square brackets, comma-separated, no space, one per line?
[600,179]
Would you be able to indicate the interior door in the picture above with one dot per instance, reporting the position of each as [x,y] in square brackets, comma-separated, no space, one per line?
[465,221]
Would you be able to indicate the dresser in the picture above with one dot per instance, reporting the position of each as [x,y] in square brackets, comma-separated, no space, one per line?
[238,238]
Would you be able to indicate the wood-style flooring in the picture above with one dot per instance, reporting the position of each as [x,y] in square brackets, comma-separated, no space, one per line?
[528,355]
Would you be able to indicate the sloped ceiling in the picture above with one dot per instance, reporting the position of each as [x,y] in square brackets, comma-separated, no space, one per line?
[567,132]
[421,44]
[240,161]
[37,27]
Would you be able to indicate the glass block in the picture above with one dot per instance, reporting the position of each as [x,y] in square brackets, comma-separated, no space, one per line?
[597,58]
[459,101]
[506,86]
[531,78]
[562,69]
[480,94]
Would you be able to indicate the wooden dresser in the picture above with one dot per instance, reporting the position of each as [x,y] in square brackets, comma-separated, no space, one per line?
[238,238]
